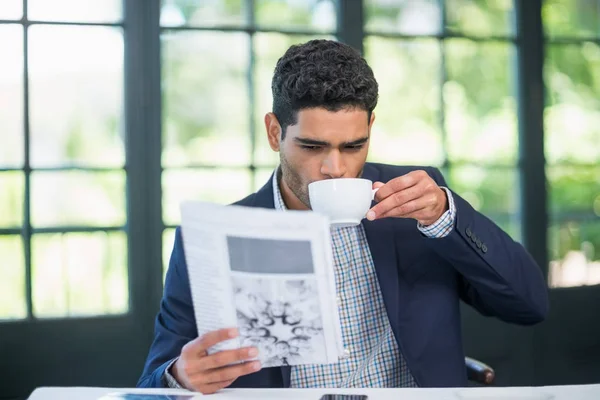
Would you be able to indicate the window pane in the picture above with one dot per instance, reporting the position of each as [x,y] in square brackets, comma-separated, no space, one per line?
[575,190]
[481,17]
[481,115]
[13,303]
[268,48]
[12,194]
[79,274]
[168,241]
[406,128]
[11,9]
[77,198]
[493,192]
[574,253]
[206,118]
[11,95]
[574,234]
[316,15]
[203,13]
[571,18]
[572,115]
[217,186]
[417,17]
[76,101]
[75,10]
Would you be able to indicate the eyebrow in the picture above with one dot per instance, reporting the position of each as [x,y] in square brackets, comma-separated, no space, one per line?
[312,142]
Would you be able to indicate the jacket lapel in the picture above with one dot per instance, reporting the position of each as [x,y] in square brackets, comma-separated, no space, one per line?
[382,244]
[286,373]
[264,197]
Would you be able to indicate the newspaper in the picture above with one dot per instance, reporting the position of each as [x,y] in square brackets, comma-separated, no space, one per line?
[268,273]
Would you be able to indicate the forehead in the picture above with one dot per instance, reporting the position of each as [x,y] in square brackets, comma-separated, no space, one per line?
[342,125]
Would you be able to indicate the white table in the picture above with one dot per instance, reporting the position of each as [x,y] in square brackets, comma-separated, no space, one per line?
[579,392]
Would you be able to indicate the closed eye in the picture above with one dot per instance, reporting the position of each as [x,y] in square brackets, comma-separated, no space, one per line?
[355,147]
[310,148]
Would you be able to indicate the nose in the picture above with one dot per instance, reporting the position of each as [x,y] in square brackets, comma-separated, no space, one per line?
[333,165]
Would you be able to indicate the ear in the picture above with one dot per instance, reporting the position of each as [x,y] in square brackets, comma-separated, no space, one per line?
[369,128]
[371,121]
[273,131]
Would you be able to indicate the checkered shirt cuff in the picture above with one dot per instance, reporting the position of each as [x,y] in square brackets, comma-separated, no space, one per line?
[443,226]
[168,379]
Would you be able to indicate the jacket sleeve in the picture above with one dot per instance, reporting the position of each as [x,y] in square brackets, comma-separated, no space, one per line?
[498,277]
[175,323]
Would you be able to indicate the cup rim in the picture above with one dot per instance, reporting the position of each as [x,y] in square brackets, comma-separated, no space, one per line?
[339,179]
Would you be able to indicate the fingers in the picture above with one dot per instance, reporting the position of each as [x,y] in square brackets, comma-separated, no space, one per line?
[400,203]
[414,195]
[195,369]
[226,357]
[396,199]
[229,373]
[425,209]
[400,183]
[377,185]
[210,380]
[412,209]
[200,345]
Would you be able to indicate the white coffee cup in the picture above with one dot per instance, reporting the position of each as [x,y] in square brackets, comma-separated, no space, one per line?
[345,201]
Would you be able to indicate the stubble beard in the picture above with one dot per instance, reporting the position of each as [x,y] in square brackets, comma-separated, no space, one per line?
[293,181]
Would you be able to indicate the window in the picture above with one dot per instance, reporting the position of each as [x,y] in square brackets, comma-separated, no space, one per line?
[446,95]
[572,140]
[62,236]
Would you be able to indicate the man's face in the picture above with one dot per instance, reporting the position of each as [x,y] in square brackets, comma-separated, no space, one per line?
[321,145]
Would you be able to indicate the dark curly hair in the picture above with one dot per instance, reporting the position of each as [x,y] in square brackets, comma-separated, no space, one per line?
[321,73]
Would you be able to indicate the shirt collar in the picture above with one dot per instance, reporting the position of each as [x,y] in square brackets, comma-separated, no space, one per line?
[277,198]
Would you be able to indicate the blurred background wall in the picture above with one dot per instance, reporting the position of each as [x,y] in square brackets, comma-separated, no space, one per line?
[112,112]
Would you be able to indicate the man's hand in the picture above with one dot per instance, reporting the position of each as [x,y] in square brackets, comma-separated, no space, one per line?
[414,195]
[196,370]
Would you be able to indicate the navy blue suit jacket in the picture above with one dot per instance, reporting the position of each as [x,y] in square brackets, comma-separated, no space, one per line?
[421,280]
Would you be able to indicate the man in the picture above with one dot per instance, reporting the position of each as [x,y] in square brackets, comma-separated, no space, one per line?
[399,275]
